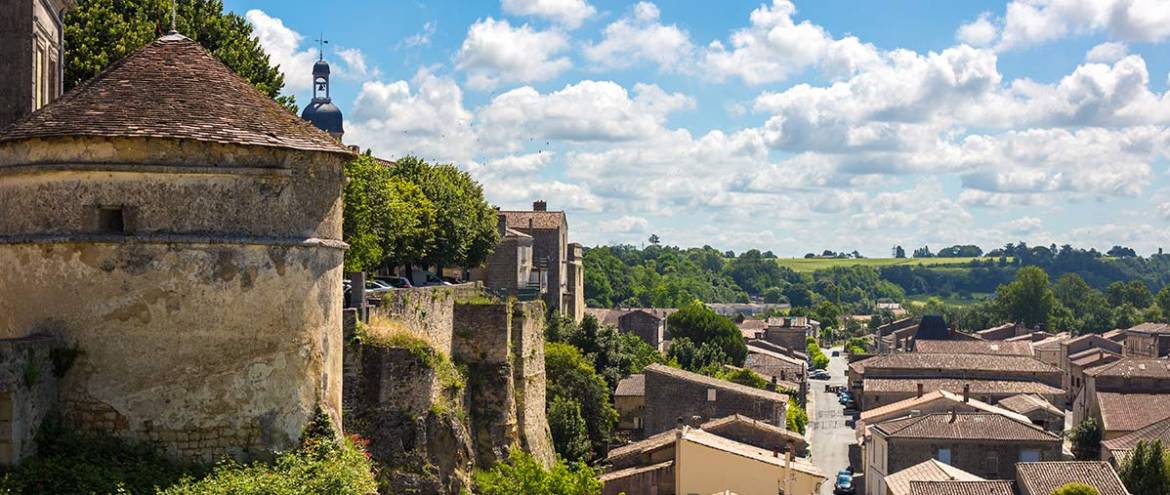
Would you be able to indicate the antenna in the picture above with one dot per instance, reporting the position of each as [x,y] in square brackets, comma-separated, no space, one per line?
[321,42]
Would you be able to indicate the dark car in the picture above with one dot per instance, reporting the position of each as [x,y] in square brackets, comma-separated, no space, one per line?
[844,484]
[835,354]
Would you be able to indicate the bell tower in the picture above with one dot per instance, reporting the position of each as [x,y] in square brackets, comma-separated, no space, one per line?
[321,112]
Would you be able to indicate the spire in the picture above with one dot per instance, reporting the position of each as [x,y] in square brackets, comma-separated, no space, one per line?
[321,111]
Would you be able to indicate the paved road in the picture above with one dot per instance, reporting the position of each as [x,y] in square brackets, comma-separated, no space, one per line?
[830,437]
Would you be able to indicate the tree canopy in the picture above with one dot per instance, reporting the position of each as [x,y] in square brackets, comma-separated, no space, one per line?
[1076,489]
[1145,470]
[1027,299]
[572,380]
[387,220]
[101,32]
[465,227]
[699,324]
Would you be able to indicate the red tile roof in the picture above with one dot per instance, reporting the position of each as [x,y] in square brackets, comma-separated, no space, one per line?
[931,470]
[953,361]
[1028,403]
[986,487]
[173,88]
[1132,412]
[993,347]
[631,386]
[1134,368]
[1151,328]
[978,387]
[1043,478]
[1123,445]
[964,426]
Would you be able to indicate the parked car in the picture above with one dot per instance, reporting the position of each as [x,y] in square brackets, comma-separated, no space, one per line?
[421,278]
[835,354]
[844,398]
[819,375]
[374,287]
[396,282]
[844,484]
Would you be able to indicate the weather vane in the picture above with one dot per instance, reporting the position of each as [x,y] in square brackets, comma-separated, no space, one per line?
[321,42]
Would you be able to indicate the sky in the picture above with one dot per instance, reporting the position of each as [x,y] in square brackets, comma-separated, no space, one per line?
[790,126]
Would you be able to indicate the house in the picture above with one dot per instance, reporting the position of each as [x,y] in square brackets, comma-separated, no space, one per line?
[992,347]
[752,329]
[985,487]
[1043,478]
[649,324]
[33,53]
[629,399]
[1037,409]
[774,364]
[552,254]
[889,378]
[649,466]
[1117,449]
[1003,332]
[509,270]
[1148,340]
[792,332]
[981,443]
[708,463]
[1048,348]
[1125,396]
[1081,353]
[672,393]
[929,470]
[786,351]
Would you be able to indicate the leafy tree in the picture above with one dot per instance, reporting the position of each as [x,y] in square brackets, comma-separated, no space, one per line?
[961,251]
[797,418]
[569,433]
[1121,252]
[696,357]
[1163,300]
[701,325]
[1086,440]
[1076,489]
[1027,299]
[654,240]
[923,252]
[101,32]
[387,220]
[1146,470]
[523,474]
[571,377]
[465,224]
[899,252]
[774,295]
[1134,292]
[615,355]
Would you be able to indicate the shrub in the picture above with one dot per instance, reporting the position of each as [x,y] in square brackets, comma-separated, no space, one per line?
[523,474]
[797,418]
[1076,489]
[1086,440]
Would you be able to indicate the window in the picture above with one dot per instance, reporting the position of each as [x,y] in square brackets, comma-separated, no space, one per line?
[710,395]
[944,456]
[1030,455]
[39,69]
[111,221]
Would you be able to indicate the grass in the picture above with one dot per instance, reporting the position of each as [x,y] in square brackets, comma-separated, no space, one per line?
[975,297]
[809,265]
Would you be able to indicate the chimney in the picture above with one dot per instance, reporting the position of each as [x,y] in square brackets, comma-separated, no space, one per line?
[920,390]
[966,393]
[539,205]
[954,416]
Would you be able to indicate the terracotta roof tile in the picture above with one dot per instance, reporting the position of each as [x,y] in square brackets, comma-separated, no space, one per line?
[1043,478]
[932,470]
[625,473]
[1132,412]
[1151,328]
[942,398]
[978,387]
[173,88]
[987,487]
[540,219]
[631,386]
[1134,368]
[1123,445]
[715,382]
[1027,403]
[964,426]
[993,347]
[953,361]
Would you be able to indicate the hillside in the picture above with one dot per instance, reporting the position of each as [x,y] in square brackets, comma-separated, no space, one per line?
[809,265]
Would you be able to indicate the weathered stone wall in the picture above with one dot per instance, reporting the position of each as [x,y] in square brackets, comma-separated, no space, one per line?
[423,311]
[647,327]
[669,398]
[28,391]
[970,456]
[529,378]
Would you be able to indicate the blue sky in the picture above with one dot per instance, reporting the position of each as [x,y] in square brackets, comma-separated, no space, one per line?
[789,126]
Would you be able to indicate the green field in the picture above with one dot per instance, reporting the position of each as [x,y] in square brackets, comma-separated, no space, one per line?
[808,265]
[976,297]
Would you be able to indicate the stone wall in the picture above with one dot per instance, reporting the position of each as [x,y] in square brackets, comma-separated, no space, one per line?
[669,398]
[28,391]
[970,456]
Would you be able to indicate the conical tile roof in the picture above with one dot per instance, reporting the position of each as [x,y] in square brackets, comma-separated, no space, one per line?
[172,88]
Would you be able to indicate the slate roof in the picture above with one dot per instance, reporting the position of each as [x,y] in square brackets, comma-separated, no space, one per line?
[978,387]
[715,382]
[1121,446]
[631,386]
[964,426]
[932,470]
[987,487]
[540,219]
[932,327]
[993,347]
[1131,412]
[1029,403]
[951,361]
[1151,328]
[1043,478]
[173,88]
[1134,368]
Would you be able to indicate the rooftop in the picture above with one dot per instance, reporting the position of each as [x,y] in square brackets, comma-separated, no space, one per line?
[714,382]
[905,406]
[993,347]
[538,219]
[964,426]
[1028,403]
[956,361]
[1134,368]
[173,88]
[624,473]
[742,449]
[1132,412]
[1096,356]
[932,470]
[987,487]
[1123,445]
[1151,328]
[631,386]
[1046,477]
[978,387]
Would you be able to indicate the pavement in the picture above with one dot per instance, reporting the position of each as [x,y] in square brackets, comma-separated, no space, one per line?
[829,436]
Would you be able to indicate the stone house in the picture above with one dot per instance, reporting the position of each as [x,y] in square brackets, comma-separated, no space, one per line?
[1081,353]
[1148,340]
[33,50]
[509,270]
[929,470]
[629,399]
[1115,450]
[672,394]
[1038,410]
[552,254]
[1125,396]
[649,324]
[791,331]
[889,378]
[780,369]
[984,487]
[1003,332]
[195,225]
[984,444]
[1044,478]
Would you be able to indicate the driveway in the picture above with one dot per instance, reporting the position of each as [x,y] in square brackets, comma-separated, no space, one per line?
[829,436]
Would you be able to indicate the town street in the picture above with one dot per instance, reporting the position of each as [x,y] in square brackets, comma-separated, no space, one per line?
[830,437]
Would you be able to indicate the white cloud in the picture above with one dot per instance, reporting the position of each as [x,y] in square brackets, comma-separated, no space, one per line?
[495,53]
[981,32]
[1024,225]
[625,224]
[354,65]
[775,47]
[1107,53]
[639,38]
[421,38]
[568,13]
[283,46]
[423,117]
[1030,22]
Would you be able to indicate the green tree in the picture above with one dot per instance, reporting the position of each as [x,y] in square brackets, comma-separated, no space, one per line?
[701,325]
[797,418]
[569,433]
[523,474]
[696,358]
[101,32]
[1076,489]
[1086,440]
[1145,469]
[387,220]
[572,377]
[465,224]
[1163,300]
[1027,299]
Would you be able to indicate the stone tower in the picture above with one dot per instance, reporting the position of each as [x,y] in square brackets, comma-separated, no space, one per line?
[321,111]
[182,233]
[32,49]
